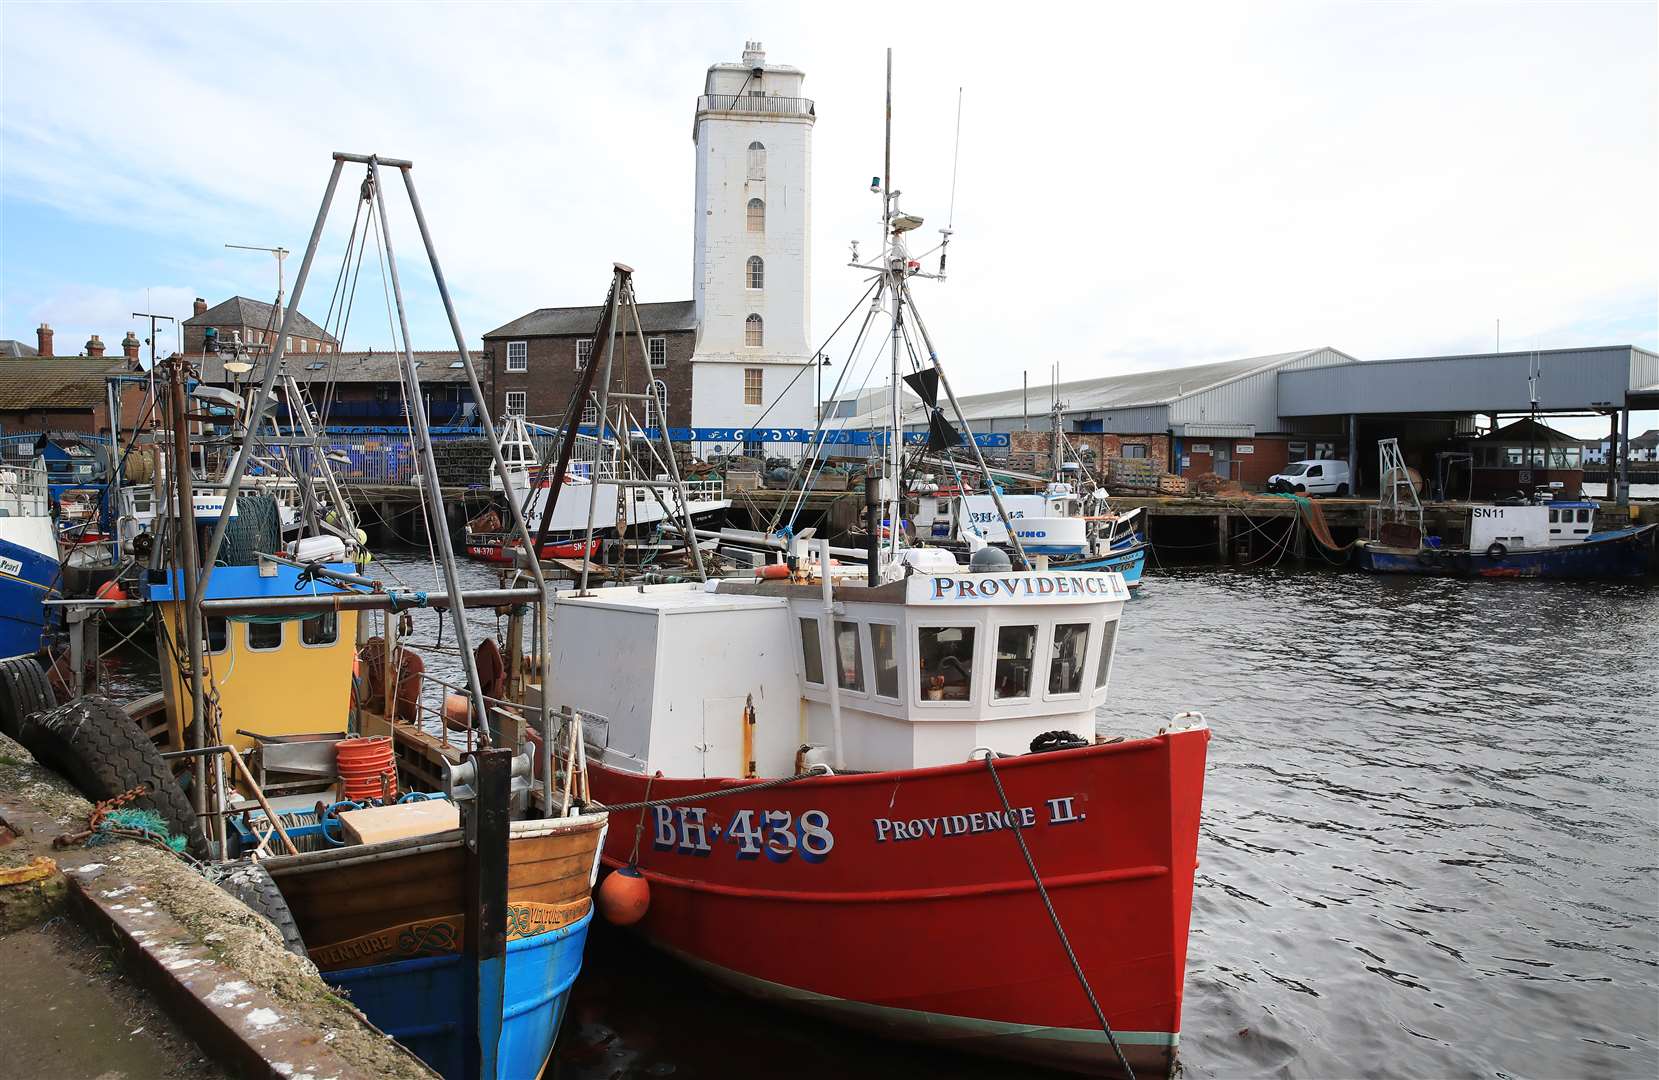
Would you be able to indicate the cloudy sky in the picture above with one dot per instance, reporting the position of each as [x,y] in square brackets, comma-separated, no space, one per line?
[1140,185]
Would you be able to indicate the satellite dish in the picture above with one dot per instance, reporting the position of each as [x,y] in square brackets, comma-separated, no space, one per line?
[238,367]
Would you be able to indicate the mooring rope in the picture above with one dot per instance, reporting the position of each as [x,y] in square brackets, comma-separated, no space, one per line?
[1054,917]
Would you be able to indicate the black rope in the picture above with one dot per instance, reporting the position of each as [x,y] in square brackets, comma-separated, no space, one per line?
[1077,968]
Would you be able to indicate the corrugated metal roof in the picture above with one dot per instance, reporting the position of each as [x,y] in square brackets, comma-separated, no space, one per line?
[558,322]
[1136,389]
[54,382]
[241,311]
[349,367]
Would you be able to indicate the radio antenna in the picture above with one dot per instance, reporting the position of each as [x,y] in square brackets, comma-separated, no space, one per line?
[955,160]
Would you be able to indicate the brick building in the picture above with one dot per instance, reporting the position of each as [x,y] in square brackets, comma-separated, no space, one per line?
[42,391]
[255,324]
[531,365]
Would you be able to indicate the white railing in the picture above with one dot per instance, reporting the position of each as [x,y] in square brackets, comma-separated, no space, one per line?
[756,103]
[24,491]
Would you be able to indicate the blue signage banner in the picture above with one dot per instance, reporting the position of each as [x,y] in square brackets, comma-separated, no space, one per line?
[831,437]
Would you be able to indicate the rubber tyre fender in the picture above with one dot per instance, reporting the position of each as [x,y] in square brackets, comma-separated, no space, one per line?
[97,746]
[251,883]
[1496,551]
[24,691]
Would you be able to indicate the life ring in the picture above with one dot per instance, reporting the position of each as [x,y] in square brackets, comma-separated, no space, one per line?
[1496,551]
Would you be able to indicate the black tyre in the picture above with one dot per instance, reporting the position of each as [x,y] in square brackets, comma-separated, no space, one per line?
[1496,551]
[94,743]
[1342,491]
[24,690]
[251,883]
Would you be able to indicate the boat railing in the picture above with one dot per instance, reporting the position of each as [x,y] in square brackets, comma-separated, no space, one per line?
[25,490]
[710,489]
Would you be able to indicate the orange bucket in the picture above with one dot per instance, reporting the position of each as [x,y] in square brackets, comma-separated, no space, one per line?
[362,764]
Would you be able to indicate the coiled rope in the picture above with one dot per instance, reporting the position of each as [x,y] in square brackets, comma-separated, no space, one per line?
[1054,917]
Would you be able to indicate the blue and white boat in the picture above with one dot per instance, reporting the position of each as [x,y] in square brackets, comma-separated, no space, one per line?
[30,570]
[1074,532]
[1531,540]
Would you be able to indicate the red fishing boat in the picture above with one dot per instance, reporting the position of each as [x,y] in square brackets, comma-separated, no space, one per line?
[824,830]
[499,548]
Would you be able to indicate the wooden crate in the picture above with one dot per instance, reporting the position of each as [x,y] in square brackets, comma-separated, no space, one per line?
[1173,485]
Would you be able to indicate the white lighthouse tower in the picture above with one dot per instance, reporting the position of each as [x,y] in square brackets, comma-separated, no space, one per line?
[753,134]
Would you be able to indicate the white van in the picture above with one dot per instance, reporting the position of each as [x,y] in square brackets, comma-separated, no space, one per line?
[1325,476]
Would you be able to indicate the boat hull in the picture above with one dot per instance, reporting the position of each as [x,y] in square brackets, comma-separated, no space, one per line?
[498,550]
[872,897]
[384,922]
[1130,562]
[1622,554]
[29,575]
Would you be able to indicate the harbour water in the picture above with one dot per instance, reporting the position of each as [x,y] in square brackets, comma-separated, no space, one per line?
[1430,842]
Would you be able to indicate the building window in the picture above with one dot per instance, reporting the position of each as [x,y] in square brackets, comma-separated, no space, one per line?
[757,272]
[656,404]
[1065,666]
[812,653]
[757,161]
[517,402]
[757,216]
[590,412]
[1133,450]
[584,350]
[753,386]
[657,349]
[518,356]
[264,637]
[754,332]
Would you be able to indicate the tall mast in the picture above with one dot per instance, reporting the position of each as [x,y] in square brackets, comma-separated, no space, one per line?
[895,270]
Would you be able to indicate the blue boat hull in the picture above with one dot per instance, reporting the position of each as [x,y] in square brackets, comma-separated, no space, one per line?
[422,1003]
[27,578]
[1129,562]
[1624,553]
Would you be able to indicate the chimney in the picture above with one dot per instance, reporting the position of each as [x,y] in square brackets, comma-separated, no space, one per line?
[129,348]
[201,306]
[94,346]
[44,337]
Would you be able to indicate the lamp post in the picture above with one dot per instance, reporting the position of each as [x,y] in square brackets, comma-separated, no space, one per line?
[824,363]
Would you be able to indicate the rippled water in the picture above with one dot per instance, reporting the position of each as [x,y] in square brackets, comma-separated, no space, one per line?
[1430,843]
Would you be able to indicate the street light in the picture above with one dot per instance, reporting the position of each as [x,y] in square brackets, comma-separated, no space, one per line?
[820,398]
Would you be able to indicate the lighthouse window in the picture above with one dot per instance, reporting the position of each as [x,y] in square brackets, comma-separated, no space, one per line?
[757,272]
[264,636]
[757,161]
[754,334]
[754,385]
[849,657]
[1065,666]
[946,655]
[1108,637]
[757,216]
[811,651]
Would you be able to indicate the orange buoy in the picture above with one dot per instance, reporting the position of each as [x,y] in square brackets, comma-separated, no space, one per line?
[624,897]
[111,590]
[772,571]
[456,710]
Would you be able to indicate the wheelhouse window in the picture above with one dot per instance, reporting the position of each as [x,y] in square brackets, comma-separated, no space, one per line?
[263,637]
[320,630]
[757,216]
[518,356]
[884,654]
[1065,665]
[1016,649]
[849,657]
[946,656]
[1108,638]
[218,633]
[812,653]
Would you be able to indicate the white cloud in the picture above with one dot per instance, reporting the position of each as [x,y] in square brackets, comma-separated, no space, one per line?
[1139,184]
